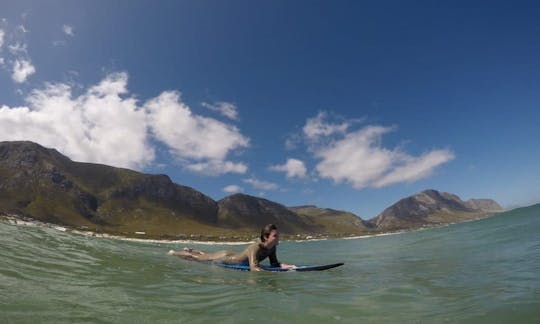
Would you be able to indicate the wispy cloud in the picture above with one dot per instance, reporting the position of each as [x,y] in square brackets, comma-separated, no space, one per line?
[261,185]
[22,29]
[318,127]
[16,56]
[18,48]
[358,157]
[231,189]
[293,168]
[59,43]
[415,168]
[2,35]
[226,109]
[68,30]
[218,167]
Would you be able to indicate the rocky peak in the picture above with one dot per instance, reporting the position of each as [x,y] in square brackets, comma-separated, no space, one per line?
[484,204]
[254,212]
[417,208]
[160,189]
[433,200]
[27,154]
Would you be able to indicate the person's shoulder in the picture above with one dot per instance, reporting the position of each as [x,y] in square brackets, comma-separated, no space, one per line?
[255,244]
[258,243]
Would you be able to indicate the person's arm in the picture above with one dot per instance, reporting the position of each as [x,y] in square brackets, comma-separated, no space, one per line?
[275,263]
[273,259]
[253,262]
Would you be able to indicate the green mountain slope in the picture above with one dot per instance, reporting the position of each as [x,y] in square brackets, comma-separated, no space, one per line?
[42,184]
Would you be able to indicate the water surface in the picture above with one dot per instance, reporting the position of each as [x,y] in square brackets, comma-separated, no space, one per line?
[478,272]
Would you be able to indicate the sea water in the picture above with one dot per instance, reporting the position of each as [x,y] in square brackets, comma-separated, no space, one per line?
[484,271]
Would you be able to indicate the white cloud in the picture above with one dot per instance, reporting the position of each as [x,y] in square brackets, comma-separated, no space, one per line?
[98,126]
[231,189]
[259,184]
[359,159]
[191,136]
[216,167]
[227,109]
[318,127]
[106,125]
[292,168]
[416,168]
[356,158]
[113,86]
[22,69]
[68,30]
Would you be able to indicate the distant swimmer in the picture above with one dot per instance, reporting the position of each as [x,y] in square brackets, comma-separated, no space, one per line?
[264,247]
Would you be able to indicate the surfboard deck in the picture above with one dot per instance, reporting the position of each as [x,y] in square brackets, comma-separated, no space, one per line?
[245,267]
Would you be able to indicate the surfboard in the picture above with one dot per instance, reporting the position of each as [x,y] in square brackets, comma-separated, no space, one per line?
[245,267]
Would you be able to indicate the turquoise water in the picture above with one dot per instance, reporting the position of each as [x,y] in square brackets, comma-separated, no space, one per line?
[478,272]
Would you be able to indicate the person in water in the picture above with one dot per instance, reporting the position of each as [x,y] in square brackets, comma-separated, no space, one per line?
[262,248]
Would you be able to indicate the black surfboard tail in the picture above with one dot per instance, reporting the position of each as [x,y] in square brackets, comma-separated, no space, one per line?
[319,268]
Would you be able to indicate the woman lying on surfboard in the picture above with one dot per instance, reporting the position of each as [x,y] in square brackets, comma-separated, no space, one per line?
[264,247]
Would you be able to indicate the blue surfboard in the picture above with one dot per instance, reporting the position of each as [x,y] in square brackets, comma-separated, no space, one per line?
[245,267]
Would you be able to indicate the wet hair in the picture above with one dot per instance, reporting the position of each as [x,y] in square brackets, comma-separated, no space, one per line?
[266,230]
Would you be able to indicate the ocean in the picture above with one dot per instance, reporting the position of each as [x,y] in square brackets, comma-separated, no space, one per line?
[486,271]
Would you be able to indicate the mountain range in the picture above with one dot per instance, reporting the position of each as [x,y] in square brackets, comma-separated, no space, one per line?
[41,184]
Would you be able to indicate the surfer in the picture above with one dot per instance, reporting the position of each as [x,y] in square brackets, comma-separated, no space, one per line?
[262,248]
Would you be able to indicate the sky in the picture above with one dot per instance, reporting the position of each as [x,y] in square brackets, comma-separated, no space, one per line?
[349,105]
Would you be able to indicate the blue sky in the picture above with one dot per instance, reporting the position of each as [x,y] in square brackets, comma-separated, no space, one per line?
[349,105]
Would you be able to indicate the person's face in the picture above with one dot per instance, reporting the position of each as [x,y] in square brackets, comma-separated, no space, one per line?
[273,238]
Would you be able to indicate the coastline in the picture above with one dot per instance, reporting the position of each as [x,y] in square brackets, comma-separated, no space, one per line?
[18,220]
[25,221]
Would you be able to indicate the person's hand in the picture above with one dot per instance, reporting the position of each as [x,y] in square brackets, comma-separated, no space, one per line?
[288,266]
